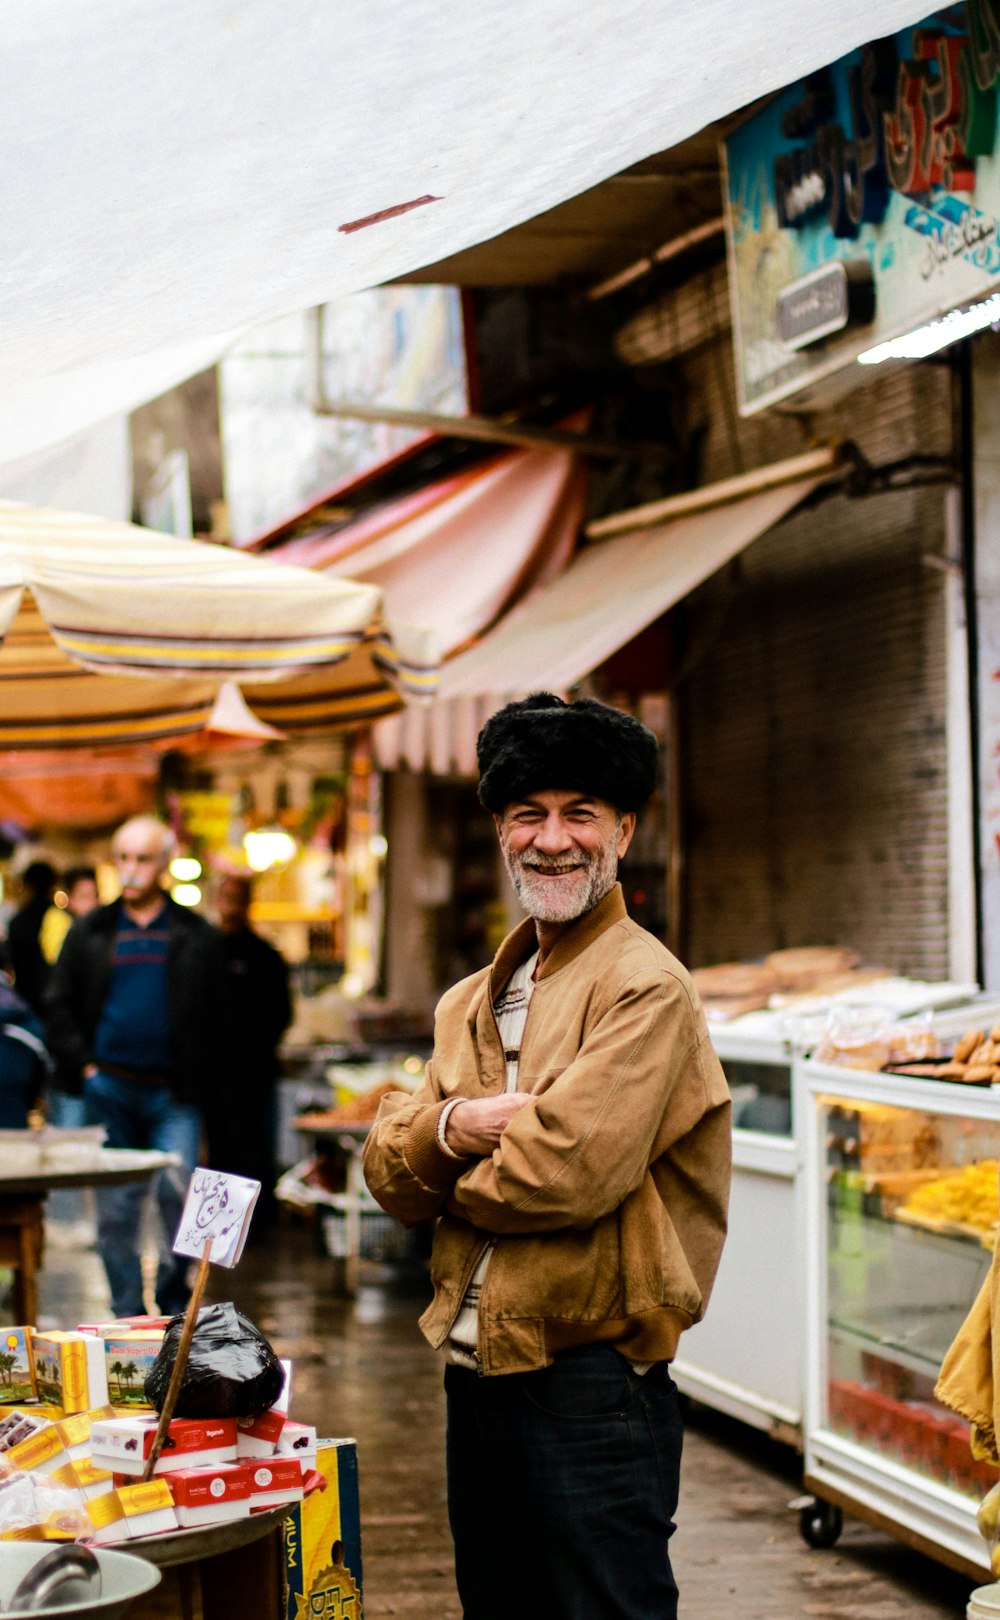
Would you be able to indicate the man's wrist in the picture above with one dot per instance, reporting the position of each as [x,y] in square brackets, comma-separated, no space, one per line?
[442,1128]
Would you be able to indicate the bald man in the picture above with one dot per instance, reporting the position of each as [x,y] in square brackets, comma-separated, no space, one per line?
[130,1017]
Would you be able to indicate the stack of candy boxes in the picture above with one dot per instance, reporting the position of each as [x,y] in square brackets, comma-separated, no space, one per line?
[83,1455]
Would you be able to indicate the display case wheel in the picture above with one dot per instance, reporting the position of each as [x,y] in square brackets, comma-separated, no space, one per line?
[821,1524]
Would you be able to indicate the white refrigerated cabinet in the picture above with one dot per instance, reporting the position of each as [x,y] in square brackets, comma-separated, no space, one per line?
[885,1290]
[748,1357]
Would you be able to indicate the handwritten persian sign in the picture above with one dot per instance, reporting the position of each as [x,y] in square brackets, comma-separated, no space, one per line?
[218,1208]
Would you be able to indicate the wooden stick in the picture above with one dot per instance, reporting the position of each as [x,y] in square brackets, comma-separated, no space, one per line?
[180,1363]
[488,430]
[819,463]
[660,255]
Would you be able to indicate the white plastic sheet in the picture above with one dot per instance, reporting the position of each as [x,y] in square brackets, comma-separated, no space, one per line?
[177,170]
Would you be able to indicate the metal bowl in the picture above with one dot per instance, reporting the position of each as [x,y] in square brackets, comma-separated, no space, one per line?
[59,1583]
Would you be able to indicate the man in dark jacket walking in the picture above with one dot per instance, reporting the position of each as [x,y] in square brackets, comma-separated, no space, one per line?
[255,1010]
[130,1014]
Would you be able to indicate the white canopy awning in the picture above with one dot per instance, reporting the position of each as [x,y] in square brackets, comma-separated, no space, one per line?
[609,593]
[178,170]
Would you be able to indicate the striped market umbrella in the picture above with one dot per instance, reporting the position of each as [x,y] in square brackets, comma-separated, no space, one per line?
[118,635]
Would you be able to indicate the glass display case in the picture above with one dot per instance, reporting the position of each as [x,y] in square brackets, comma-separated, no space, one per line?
[899,1178]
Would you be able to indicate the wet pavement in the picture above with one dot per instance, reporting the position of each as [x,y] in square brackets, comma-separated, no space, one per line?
[362,1369]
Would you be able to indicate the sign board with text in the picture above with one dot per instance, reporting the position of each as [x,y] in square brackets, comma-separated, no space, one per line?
[864,201]
[217,1209]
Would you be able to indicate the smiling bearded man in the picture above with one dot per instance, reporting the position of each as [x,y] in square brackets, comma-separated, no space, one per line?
[571,1136]
[584,876]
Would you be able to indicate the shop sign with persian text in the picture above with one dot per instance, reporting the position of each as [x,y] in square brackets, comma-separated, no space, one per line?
[864,201]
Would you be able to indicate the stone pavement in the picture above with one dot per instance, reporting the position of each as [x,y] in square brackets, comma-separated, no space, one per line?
[362,1369]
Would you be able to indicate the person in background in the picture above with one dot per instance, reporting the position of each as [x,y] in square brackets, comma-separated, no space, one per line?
[130,1017]
[572,1134]
[24,1060]
[254,1012]
[78,895]
[24,949]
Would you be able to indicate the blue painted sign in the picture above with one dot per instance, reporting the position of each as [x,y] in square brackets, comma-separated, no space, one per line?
[885,163]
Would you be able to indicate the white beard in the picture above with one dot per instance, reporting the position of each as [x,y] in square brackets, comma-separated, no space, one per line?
[561,899]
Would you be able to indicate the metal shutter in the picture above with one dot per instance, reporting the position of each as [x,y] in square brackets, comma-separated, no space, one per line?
[813,735]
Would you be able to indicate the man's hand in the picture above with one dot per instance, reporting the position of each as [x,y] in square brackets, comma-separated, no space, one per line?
[475,1125]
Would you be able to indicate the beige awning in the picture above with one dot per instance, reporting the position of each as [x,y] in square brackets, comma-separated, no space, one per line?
[610,592]
[114,635]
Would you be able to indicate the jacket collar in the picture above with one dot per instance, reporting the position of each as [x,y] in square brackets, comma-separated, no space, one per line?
[575,938]
[106,919]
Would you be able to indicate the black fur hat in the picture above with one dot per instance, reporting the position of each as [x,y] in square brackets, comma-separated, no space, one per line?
[542,743]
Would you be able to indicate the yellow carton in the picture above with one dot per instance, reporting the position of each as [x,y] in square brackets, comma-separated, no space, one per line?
[70,1370]
[323,1540]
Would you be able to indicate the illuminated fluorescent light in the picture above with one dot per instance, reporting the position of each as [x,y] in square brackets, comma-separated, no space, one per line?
[957,324]
[185,868]
[268,846]
[186,894]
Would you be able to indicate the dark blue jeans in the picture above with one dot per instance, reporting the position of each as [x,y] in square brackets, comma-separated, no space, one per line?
[142,1116]
[562,1489]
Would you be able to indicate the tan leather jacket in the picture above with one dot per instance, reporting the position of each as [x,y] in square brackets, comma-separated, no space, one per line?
[608,1196]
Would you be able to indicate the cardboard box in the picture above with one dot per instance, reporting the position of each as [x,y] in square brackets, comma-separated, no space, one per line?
[126,1324]
[131,1510]
[274,1481]
[323,1539]
[84,1477]
[75,1431]
[298,1440]
[52,1445]
[17,1424]
[123,1444]
[128,1357]
[210,1495]
[17,1366]
[70,1370]
[259,1436]
[39,1452]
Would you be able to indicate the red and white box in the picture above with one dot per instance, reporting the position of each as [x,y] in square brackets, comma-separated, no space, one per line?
[298,1440]
[274,1482]
[123,1444]
[126,1324]
[259,1436]
[211,1495]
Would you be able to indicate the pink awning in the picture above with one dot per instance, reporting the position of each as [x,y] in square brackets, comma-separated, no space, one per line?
[454,557]
[609,593]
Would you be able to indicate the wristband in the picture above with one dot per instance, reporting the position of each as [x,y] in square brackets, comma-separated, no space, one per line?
[442,1125]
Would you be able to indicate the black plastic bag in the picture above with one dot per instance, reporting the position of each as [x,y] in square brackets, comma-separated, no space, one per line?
[231,1372]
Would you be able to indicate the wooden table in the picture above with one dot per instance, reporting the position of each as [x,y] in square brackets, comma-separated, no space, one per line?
[216,1572]
[22,1202]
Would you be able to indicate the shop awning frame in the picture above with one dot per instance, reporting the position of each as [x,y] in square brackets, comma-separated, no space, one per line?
[614,589]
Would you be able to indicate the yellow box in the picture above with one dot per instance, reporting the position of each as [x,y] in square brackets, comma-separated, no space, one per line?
[323,1540]
[70,1368]
[39,1448]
